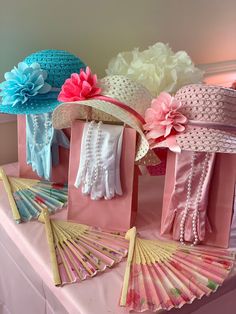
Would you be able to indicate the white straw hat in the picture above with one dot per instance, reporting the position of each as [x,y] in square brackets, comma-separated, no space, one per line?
[116,99]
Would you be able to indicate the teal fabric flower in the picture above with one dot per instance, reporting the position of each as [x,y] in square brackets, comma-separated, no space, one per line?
[23,83]
[31,75]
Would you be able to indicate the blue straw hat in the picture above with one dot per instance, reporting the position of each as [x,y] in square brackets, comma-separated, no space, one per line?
[33,86]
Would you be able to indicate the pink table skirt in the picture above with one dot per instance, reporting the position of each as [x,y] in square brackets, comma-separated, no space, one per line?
[26,280]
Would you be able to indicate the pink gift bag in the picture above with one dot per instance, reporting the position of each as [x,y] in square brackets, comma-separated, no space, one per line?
[221,200]
[118,213]
[217,196]
[59,173]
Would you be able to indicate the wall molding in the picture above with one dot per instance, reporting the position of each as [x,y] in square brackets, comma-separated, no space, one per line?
[7,118]
[219,73]
[218,67]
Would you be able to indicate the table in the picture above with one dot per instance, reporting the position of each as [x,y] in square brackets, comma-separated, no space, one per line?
[26,280]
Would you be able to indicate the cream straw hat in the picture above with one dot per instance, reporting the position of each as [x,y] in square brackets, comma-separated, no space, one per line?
[115,99]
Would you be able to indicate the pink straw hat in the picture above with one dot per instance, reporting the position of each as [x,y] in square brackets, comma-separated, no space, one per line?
[199,118]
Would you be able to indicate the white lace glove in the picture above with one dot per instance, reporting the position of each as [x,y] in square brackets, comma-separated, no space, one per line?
[99,170]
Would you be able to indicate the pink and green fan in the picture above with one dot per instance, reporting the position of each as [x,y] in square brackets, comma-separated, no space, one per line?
[79,251]
[163,275]
[27,197]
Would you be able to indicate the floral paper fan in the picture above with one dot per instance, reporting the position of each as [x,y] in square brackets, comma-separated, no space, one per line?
[79,251]
[163,275]
[27,197]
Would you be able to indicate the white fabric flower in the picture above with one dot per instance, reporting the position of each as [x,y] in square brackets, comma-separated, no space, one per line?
[158,68]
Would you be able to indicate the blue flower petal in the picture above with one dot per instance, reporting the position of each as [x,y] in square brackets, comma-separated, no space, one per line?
[35,66]
[9,75]
[38,80]
[44,74]
[29,72]
[23,83]
[2,85]
[7,100]
[16,102]
[34,76]
[22,66]
[45,88]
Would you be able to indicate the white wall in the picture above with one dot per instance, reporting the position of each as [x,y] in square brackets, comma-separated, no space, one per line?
[96,30]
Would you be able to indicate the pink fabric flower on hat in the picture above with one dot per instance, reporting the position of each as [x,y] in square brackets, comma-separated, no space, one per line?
[80,86]
[164,121]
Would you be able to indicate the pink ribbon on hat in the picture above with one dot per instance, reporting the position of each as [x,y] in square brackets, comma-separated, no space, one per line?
[164,122]
[121,105]
[84,86]
[212,125]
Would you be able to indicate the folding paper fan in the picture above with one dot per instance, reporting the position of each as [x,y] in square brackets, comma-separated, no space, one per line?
[162,275]
[79,251]
[27,197]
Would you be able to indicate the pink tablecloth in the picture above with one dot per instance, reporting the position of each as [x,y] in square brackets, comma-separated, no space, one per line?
[25,274]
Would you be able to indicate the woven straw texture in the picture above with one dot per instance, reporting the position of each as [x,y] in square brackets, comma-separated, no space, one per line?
[59,65]
[118,87]
[208,105]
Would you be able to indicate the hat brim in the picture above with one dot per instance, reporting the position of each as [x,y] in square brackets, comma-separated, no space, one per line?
[31,107]
[209,140]
[66,113]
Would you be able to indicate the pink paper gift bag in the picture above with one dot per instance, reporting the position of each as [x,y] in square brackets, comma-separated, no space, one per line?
[118,213]
[59,173]
[219,202]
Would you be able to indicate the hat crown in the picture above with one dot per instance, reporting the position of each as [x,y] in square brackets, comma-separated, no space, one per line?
[59,65]
[208,103]
[127,91]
